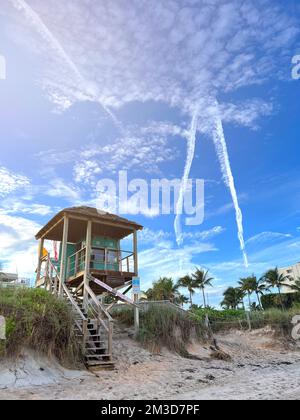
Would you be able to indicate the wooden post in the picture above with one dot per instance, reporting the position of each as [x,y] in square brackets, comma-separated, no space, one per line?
[88,251]
[51,278]
[40,256]
[110,339]
[136,296]
[249,321]
[105,259]
[135,253]
[119,256]
[76,268]
[136,314]
[47,275]
[62,274]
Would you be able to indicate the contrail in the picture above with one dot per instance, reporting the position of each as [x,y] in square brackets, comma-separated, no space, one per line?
[191,145]
[222,152]
[47,35]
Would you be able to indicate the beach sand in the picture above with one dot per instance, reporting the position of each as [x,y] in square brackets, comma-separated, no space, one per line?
[262,367]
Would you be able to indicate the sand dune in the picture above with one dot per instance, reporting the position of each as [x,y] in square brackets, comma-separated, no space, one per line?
[262,367]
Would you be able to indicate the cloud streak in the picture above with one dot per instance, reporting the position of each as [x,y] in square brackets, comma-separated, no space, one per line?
[222,153]
[191,146]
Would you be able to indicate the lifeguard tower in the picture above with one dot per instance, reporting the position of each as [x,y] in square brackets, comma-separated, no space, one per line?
[90,266]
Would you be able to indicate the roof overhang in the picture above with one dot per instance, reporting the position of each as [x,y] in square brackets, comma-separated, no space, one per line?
[104,224]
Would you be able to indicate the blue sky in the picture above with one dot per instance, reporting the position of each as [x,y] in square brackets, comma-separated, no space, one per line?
[93,88]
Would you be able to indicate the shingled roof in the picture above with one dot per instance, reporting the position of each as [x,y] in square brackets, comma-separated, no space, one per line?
[84,213]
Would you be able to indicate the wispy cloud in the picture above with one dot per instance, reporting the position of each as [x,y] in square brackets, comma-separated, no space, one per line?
[149,236]
[17,206]
[60,189]
[145,61]
[10,181]
[267,237]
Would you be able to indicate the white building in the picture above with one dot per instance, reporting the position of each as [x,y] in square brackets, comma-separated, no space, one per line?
[9,279]
[293,272]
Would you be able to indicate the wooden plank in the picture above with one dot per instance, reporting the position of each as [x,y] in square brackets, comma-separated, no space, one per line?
[113,291]
[40,259]
[105,222]
[52,227]
[72,300]
[63,255]
[135,251]
[88,251]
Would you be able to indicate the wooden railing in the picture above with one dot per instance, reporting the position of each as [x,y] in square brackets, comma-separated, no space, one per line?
[96,311]
[81,297]
[106,259]
[100,313]
[76,262]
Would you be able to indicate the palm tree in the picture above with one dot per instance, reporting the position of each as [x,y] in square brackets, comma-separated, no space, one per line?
[255,307]
[233,297]
[181,300]
[190,284]
[259,287]
[247,285]
[202,280]
[276,280]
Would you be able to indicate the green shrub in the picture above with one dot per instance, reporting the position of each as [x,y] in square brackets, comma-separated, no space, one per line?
[226,320]
[222,320]
[274,301]
[124,314]
[40,321]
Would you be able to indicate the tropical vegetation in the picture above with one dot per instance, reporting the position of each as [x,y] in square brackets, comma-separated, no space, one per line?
[251,289]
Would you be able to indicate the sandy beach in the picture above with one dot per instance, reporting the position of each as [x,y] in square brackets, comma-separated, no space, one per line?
[262,367]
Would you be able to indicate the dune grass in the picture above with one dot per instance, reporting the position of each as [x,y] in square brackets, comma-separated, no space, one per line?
[37,320]
[163,326]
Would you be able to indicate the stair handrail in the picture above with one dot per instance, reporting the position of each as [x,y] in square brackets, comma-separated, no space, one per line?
[72,300]
[50,268]
[110,321]
[100,308]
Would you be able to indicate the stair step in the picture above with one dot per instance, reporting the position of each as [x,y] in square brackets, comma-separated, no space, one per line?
[95,348]
[96,356]
[100,364]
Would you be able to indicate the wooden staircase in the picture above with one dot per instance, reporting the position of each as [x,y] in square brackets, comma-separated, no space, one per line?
[93,333]
[93,324]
